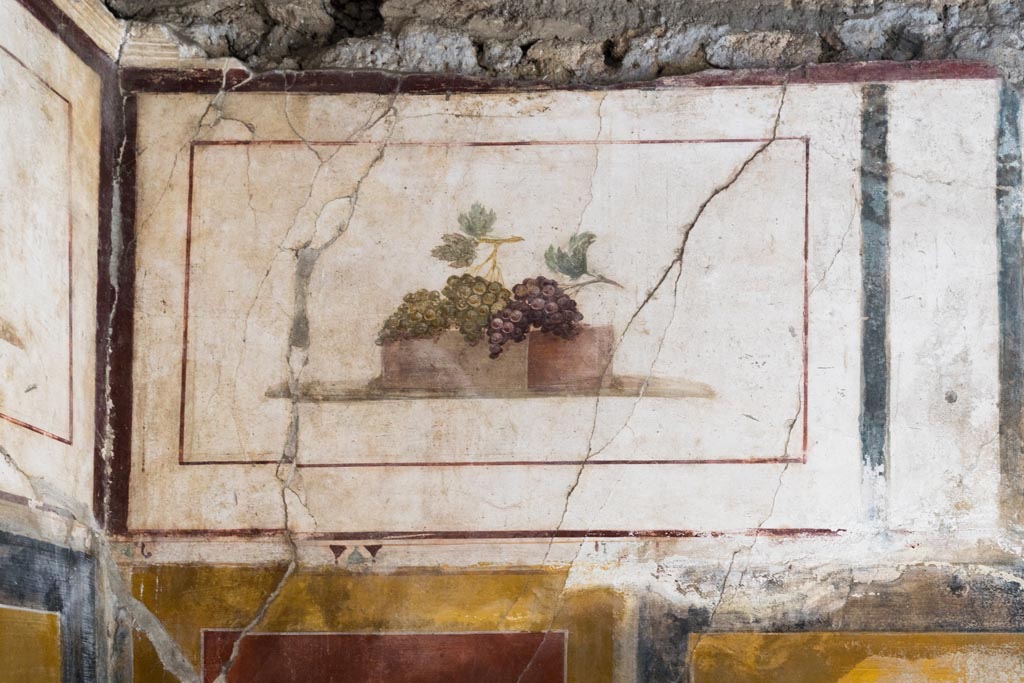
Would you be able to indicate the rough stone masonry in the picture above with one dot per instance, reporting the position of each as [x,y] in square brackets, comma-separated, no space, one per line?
[587,41]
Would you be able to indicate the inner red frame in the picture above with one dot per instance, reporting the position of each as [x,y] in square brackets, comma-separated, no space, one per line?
[797,459]
[467,657]
[67,440]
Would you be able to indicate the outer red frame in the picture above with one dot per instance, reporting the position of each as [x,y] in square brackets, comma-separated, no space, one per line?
[238,80]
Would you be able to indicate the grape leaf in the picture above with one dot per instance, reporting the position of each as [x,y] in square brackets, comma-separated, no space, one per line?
[478,221]
[571,263]
[457,250]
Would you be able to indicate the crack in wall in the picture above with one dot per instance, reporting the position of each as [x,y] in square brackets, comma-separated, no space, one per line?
[306,259]
[141,618]
[215,104]
[677,265]
[35,484]
[835,256]
[757,534]
[144,621]
[168,651]
[287,473]
[597,162]
[117,599]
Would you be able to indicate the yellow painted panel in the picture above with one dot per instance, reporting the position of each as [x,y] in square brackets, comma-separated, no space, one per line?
[29,646]
[190,598]
[858,658]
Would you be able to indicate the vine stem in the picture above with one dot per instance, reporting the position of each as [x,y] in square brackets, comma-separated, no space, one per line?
[596,279]
[499,240]
[494,273]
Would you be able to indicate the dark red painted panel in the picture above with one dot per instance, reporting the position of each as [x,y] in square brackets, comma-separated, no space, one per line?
[387,658]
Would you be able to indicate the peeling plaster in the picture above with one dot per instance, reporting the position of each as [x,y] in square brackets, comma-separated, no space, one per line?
[115,593]
[581,42]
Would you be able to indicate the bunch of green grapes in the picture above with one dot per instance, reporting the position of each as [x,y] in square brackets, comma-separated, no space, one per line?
[475,301]
[422,314]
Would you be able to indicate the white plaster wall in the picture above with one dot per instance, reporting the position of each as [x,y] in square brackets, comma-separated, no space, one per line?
[942,316]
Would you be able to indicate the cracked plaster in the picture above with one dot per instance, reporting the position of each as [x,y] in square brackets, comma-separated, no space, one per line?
[723,589]
[580,42]
[709,591]
[300,341]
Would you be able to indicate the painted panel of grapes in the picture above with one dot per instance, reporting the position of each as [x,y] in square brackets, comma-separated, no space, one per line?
[500,302]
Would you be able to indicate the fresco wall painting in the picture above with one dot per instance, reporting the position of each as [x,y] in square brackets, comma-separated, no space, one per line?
[407,378]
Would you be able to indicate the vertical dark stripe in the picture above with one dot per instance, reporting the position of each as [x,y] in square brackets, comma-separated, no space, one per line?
[874,217]
[111,127]
[1011,303]
[122,329]
[115,304]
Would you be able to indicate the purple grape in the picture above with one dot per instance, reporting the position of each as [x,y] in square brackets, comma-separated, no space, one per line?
[538,304]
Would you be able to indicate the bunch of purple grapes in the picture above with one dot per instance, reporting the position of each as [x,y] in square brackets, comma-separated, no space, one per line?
[538,303]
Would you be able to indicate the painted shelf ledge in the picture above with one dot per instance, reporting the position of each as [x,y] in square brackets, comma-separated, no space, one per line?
[620,386]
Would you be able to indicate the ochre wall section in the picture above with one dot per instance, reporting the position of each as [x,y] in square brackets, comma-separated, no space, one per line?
[29,646]
[857,657]
[188,599]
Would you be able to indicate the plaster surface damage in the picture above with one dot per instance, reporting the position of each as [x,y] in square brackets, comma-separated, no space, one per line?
[789,415]
[843,489]
[583,41]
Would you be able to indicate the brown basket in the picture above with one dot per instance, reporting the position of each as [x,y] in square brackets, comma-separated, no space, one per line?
[448,363]
[577,364]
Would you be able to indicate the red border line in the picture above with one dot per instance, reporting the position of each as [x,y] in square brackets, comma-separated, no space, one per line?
[512,463]
[184,330]
[807,292]
[387,83]
[498,534]
[802,459]
[71,257]
[507,143]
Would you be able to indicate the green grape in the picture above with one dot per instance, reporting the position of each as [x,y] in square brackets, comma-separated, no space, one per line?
[422,314]
[474,300]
